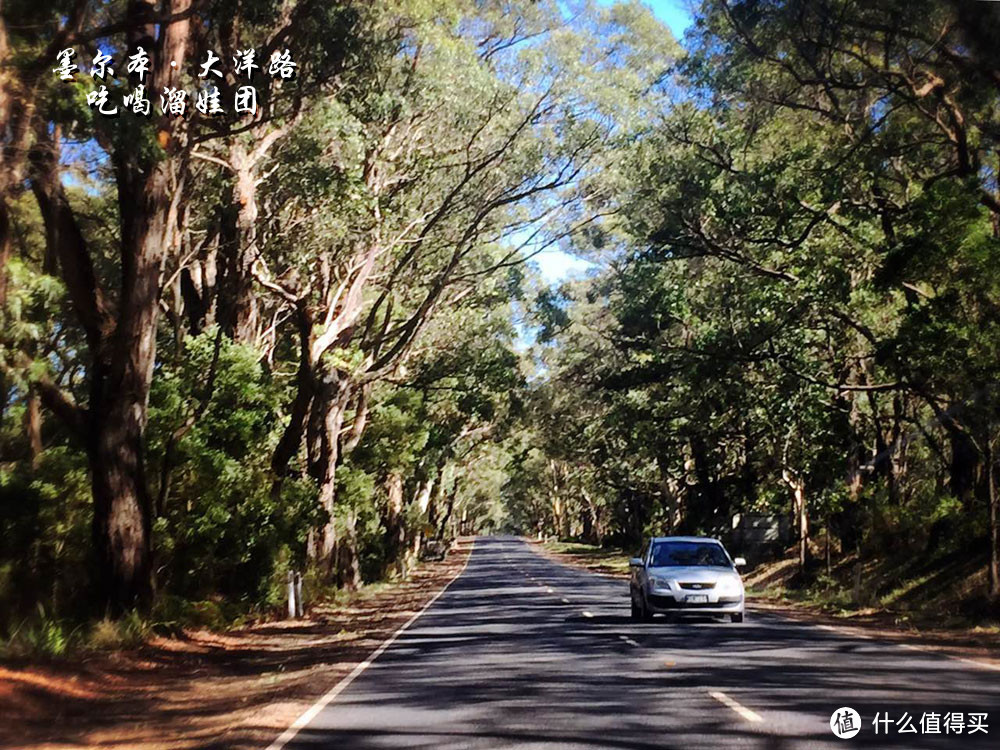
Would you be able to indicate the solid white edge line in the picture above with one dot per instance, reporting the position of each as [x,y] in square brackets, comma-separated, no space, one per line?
[310,713]
[900,644]
[742,710]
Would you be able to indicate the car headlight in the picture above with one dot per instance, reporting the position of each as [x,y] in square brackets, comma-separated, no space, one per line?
[659,583]
[729,586]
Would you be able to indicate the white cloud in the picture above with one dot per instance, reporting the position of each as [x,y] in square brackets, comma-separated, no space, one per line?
[557,266]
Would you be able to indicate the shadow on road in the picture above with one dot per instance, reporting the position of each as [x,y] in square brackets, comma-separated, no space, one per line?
[500,661]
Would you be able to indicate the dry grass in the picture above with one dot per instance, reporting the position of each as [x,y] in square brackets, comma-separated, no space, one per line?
[236,689]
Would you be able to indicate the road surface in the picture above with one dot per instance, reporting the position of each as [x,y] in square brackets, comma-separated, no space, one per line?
[522,652]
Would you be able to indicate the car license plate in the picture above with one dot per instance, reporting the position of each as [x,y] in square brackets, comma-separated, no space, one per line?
[697,599]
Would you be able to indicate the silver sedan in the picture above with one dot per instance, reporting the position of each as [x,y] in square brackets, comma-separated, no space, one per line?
[691,574]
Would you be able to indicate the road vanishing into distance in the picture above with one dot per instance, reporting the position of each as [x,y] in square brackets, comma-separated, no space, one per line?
[523,652]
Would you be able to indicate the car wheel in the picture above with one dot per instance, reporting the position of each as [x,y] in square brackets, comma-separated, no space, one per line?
[645,614]
[736,617]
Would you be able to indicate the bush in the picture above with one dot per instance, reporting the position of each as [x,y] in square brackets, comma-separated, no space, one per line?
[41,636]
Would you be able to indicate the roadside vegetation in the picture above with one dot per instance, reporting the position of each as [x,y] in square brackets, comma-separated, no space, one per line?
[237,350]
[799,313]
[241,687]
[243,348]
[607,560]
[939,592]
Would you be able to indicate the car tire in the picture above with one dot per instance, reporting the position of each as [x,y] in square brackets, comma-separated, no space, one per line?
[645,613]
[636,612]
[736,617]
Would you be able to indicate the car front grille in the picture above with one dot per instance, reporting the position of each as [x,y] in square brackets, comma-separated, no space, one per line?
[697,586]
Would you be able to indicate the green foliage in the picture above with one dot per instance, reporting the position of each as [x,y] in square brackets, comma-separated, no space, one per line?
[796,231]
[220,529]
[802,294]
[38,636]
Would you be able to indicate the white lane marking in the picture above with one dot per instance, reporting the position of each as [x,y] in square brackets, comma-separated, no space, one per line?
[550,590]
[587,614]
[565,600]
[628,640]
[910,646]
[742,710]
[981,664]
[310,713]
[927,650]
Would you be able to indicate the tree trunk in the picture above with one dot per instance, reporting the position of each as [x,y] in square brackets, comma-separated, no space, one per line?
[422,502]
[122,376]
[394,527]
[348,559]
[305,389]
[994,527]
[337,555]
[588,518]
[238,312]
[33,426]
[964,461]
[5,249]
[829,555]
[446,517]
[323,444]
[802,513]
[121,525]
[121,369]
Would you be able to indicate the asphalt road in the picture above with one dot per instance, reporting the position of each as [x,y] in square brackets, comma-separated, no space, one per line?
[523,652]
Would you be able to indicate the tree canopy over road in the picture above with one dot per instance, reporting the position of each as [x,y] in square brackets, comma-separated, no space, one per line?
[310,337]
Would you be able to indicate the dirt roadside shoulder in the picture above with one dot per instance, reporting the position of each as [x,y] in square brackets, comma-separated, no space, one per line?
[965,644]
[236,690]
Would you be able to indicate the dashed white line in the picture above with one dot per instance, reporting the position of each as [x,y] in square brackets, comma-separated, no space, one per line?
[565,600]
[550,590]
[629,641]
[588,614]
[742,710]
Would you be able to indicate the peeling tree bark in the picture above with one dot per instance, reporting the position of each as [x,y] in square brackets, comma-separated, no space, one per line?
[802,514]
[239,315]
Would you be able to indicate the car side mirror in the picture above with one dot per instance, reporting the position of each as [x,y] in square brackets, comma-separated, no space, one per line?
[635,562]
[740,562]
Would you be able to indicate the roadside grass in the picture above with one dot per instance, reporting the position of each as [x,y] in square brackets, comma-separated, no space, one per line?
[43,636]
[243,685]
[946,591]
[609,560]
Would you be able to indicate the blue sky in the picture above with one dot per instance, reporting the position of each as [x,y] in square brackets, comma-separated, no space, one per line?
[674,13]
[556,265]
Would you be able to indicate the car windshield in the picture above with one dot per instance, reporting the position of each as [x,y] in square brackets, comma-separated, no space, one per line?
[667,554]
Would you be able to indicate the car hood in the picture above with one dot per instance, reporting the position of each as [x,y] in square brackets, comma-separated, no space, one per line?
[693,573]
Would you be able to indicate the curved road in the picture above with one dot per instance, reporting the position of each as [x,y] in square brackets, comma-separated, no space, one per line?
[527,653]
